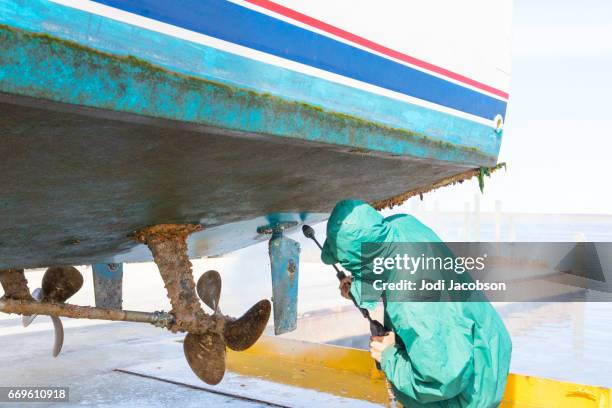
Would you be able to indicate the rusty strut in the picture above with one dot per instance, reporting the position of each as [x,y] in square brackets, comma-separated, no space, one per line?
[15,284]
[168,244]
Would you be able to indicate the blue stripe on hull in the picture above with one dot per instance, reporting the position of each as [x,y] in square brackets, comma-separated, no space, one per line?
[194,59]
[230,22]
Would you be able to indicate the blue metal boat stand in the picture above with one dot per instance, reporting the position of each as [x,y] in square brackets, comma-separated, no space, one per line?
[108,285]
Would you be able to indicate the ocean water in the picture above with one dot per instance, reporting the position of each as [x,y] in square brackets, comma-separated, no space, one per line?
[563,341]
[508,227]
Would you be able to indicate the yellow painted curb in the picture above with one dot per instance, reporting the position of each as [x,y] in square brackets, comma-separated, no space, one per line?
[351,373]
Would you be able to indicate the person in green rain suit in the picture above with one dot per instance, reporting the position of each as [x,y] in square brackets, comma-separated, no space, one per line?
[437,354]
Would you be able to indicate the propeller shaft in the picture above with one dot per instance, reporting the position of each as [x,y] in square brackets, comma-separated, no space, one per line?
[26,307]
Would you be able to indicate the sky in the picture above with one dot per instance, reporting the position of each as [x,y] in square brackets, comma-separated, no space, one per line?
[558,133]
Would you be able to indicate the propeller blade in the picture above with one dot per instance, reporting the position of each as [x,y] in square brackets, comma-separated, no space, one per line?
[26,320]
[209,289]
[58,328]
[242,333]
[205,355]
[60,283]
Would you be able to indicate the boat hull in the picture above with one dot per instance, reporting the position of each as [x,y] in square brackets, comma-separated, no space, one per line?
[119,115]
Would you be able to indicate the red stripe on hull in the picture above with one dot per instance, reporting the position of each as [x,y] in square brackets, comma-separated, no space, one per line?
[330,29]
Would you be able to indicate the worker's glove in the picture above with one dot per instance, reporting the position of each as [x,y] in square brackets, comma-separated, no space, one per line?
[378,344]
[345,287]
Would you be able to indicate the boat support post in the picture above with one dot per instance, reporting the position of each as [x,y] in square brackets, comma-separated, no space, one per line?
[108,285]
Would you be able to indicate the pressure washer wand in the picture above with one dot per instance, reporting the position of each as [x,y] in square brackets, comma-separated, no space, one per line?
[376,327]
[309,233]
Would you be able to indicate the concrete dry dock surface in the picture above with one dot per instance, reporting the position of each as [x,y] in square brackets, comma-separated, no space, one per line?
[92,354]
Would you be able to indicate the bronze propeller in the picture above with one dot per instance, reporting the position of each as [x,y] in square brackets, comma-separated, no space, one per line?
[205,353]
[58,285]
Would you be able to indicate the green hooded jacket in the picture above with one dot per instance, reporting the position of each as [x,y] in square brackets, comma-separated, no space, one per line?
[447,354]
